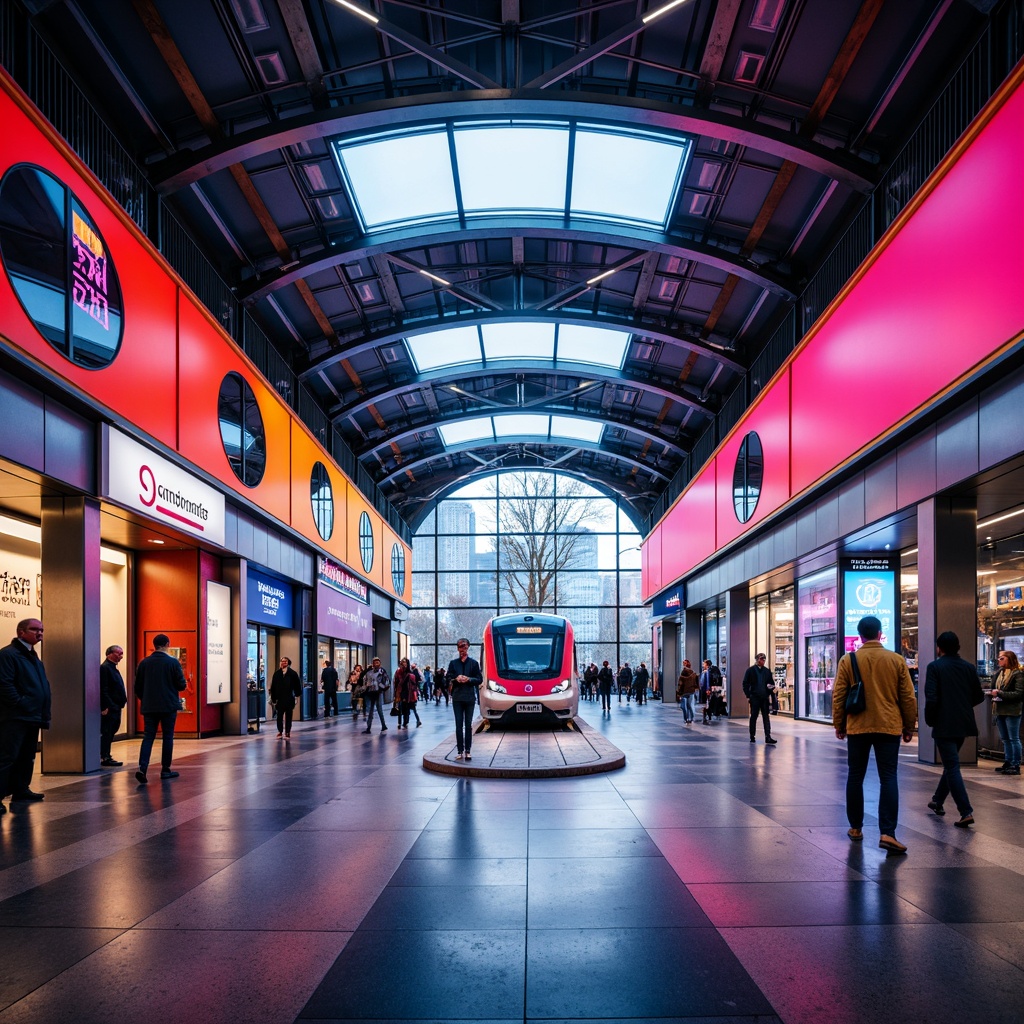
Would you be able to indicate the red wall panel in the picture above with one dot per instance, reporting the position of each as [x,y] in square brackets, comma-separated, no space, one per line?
[139,384]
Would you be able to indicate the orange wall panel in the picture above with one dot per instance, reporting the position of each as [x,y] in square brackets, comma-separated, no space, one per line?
[357,505]
[305,454]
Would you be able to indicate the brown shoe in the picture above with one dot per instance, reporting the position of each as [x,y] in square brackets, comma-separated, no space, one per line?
[855,834]
[891,844]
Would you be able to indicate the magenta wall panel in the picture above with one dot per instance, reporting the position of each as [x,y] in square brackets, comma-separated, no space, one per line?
[688,534]
[944,295]
[770,419]
[650,566]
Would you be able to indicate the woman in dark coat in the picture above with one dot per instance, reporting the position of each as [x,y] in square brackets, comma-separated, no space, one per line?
[406,693]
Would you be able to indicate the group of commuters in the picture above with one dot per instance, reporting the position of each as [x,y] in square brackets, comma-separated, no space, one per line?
[706,688]
[603,681]
[26,701]
[372,686]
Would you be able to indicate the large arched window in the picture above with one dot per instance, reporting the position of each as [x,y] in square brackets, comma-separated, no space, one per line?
[528,540]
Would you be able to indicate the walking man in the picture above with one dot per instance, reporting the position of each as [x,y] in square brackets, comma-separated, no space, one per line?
[376,681]
[24,710]
[112,698]
[890,712]
[285,689]
[158,681]
[758,687]
[329,684]
[952,690]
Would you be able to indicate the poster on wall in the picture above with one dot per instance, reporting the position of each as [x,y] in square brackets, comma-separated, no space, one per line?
[218,643]
[870,587]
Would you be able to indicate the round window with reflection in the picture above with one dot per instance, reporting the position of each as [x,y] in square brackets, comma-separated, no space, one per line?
[366,541]
[398,568]
[59,267]
[322,498]
[241,429]
[747,477]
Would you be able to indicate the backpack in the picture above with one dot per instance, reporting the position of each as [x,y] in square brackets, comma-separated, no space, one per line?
[714,676]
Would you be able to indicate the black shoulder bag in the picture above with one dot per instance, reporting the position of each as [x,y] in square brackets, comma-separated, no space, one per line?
[856,701]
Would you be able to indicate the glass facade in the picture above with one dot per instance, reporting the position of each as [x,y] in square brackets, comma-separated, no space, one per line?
[528,541]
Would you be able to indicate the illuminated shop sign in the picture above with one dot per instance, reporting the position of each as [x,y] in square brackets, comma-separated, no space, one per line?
[667,604]
[218,643]
[341,579]
[138,478]
[870,587]
[270,601]
[342,617]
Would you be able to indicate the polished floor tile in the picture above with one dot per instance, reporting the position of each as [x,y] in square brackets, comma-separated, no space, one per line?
[333,879]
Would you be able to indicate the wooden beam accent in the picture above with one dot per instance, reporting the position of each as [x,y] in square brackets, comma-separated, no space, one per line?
[294,15]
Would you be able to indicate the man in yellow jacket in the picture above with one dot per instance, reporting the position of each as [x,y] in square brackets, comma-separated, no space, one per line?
[890,713]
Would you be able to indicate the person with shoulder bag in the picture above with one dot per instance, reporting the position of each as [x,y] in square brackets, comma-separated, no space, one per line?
[890,713]
[1007,703]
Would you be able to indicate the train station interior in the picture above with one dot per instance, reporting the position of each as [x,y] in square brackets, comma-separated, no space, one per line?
[332,330]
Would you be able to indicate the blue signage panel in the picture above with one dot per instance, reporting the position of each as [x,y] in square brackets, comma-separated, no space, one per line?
[870,587]
[270,601]
[669,603]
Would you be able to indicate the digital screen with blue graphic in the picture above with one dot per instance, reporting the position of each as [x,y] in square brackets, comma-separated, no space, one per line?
[870,587]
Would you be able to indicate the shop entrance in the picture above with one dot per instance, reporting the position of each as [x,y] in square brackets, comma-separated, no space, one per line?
[261,651]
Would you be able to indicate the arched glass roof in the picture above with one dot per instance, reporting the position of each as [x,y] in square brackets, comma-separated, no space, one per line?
[493,428]
[538,168]
[459,346]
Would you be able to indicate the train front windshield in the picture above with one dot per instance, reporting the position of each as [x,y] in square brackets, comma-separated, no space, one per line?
[528,657]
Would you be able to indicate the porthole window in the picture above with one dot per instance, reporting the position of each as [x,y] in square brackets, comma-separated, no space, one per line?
[322,497]
[59,267]
[366,541]
[241,429]
[398,569]
[747,477]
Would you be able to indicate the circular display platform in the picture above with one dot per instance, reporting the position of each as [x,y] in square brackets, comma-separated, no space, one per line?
[525,754]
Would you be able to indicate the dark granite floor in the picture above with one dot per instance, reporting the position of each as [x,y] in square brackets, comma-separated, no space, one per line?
[332,878]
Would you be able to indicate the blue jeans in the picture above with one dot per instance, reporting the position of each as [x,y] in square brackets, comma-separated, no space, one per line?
[371,701]
[164,719]
[686,703]
[887,759]
[952,781]
[464,710]
[1009,733]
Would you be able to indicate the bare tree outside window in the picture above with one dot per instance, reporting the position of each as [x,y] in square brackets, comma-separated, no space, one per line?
[540,534]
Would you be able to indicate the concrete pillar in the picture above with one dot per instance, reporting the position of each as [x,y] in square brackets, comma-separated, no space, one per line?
[737,625]
[947,594]
[70,557]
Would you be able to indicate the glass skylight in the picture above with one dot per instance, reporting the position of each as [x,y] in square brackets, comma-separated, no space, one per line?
[479,429]
[453,347]
[520,340]
[513,424]
[466,169]
[596,345]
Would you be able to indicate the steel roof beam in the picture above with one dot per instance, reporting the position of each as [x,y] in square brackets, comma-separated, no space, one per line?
[408,111]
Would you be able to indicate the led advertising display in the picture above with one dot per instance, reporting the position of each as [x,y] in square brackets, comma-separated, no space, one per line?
[870,587]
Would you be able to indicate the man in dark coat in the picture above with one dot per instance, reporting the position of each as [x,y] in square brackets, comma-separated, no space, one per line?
[112,698]
[158,681]
[329,684]
[285,688]
[24,710]
[464,677]
[605,682]
[758,687]
[951,692]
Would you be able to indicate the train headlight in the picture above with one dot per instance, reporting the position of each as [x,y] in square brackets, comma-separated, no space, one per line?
[495,687]
[563,687]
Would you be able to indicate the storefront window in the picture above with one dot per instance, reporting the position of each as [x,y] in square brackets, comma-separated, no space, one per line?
[60,267]
[908,613]
[771,631]
[817,609]
[1000,602]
